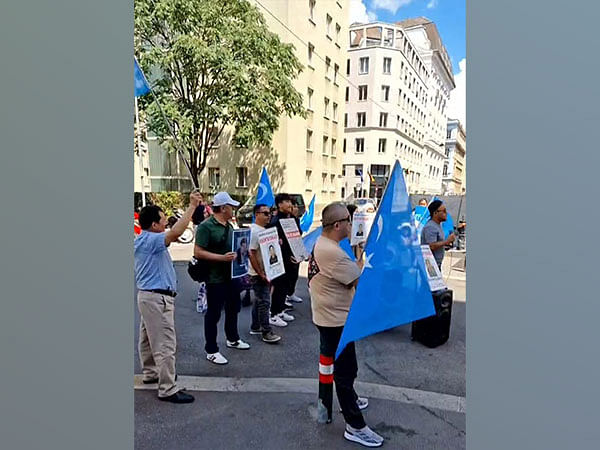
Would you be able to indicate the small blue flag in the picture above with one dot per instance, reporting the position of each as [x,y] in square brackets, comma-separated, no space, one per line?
[307,218]
[311,239]
[141,86]
[448,226]
[393,289]
[265,192]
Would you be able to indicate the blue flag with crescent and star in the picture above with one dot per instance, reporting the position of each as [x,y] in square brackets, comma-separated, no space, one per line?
[265,192]
[307,218]
[393,289]
[141,86]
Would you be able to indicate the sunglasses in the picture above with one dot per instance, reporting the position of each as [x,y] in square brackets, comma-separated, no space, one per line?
[337,221]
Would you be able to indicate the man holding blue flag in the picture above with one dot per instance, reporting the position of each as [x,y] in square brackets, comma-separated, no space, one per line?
[332,278]
[433,232]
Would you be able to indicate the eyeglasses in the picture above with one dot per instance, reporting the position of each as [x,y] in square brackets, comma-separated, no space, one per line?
[341,220]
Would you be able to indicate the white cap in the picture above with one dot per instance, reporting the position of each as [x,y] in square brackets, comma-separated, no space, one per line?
[223,198]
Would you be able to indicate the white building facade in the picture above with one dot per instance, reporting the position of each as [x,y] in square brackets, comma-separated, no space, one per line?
[454,171]
[388,113]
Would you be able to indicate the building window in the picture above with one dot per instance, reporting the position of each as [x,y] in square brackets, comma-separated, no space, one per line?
[242,175]
[347,67]
[336,69]
[362,92]
[324,181]
[445,169]
[344,146]
[326,106]
[332,182]
[325,140]
[358,170]
[338,29]
[385,93]
[214,176]
[380,170]
[309,134]
[344,170]
[347,93]
[335,112]
[309,93]
[449,134]
[383,119]
[364,65]
[387,65]
[328,67]
[361,119]
[311,51]
[388,37]
[346,120]
[333,147]
[308,176]
[311,6]
[328,22]
[360,145]
[382,143]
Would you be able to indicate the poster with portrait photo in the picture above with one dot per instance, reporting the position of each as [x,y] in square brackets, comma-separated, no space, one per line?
[240,246]
[361,225]
[434,276]
[270,251]
[294,238]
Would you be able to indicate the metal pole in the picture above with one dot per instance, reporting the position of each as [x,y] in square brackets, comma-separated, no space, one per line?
[139,149]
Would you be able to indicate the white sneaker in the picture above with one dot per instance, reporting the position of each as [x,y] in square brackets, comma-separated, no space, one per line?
[365,436]
[295,298]
[216,358]
[277,321]
[239,344]
[289,303]
[285,316]
[362,403]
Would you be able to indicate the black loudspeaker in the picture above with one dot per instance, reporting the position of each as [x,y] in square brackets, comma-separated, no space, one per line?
[434,330]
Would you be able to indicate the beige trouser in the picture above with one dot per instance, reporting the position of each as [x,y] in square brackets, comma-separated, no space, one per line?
[157,342]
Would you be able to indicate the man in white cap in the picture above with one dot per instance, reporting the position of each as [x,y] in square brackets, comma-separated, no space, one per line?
[213,244]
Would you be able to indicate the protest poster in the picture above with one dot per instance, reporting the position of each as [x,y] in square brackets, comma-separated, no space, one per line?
[292,234]
[434,276]
[240,243]
[361,225]
[270,251]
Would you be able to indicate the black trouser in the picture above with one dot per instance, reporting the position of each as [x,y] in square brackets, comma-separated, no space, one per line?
[281,286]
[292,277]
[218,295]
[345,370]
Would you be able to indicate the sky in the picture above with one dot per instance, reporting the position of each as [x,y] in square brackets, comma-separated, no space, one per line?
[449,17]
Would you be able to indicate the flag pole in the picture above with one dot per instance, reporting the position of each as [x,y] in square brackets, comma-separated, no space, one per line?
[139,149]
[175,140]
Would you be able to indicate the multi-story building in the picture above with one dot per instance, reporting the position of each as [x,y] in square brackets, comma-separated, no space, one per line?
[454,172]
[425,37]
[388,113]
[305,156]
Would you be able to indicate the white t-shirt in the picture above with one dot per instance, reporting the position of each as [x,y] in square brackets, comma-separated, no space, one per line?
[254,245]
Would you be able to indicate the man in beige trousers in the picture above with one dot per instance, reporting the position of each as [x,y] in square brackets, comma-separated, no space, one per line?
[157,285]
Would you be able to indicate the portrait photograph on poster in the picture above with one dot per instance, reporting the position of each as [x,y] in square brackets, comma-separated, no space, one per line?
[240,242]
[271,253]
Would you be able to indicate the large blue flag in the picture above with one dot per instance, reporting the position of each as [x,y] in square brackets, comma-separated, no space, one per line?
[393,289]
[311,239]
[265,192]
[307,218]
[141,86]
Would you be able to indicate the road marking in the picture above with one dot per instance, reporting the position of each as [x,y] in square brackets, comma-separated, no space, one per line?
[428,399]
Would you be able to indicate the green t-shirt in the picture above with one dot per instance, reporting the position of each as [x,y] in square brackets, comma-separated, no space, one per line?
[214,237]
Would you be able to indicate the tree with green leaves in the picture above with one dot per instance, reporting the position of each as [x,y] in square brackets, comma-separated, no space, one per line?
[214,65]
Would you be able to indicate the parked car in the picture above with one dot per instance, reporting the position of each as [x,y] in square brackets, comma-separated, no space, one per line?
[244,213]
[365,205]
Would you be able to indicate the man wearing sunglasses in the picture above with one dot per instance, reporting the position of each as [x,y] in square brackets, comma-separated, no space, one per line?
[260,283]
[332,278]
[433,234]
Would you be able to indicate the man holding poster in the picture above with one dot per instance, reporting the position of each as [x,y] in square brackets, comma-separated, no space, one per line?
[259,277]
[361,225]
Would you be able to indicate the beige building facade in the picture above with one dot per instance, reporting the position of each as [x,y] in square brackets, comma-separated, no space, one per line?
[306,153]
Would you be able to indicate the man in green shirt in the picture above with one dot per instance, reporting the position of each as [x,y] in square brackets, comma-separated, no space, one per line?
[213,243]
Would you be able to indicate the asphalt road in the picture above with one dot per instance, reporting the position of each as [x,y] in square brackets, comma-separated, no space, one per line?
[231,420]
